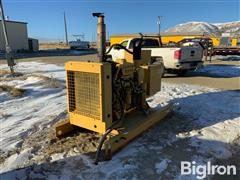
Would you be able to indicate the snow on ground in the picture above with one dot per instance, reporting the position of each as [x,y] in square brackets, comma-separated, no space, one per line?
[39,106]
[52,52]
[202,128]
[160,167]
[227,58]
[221,70]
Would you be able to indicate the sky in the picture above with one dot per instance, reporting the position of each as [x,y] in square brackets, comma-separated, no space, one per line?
[45,17]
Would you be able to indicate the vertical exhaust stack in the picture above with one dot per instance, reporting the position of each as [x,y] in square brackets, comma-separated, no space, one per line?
[101,36]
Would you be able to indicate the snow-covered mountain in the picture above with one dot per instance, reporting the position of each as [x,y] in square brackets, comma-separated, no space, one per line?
[230,27]
[210,28]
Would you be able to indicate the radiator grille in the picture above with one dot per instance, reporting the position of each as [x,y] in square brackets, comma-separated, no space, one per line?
[84,94]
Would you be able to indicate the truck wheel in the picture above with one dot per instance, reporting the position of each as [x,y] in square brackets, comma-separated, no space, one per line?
[181,72]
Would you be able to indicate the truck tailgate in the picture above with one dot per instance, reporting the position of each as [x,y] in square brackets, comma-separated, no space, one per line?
[191,54]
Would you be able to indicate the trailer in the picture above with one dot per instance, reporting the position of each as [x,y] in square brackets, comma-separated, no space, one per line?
[224,51]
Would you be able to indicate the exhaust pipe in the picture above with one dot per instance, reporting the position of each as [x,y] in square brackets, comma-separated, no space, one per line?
[101,36]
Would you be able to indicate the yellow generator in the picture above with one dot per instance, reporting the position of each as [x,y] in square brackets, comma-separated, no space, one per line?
[110,97]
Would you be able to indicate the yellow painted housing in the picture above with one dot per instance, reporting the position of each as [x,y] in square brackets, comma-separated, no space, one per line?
[89,95]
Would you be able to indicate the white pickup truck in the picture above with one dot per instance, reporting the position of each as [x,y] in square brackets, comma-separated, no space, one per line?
[175,59]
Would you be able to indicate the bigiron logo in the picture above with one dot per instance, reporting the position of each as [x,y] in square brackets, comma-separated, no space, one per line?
[201,171]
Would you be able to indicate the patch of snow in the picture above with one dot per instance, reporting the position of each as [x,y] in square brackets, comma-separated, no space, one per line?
[215,139]
[160,167]
[227,58]
[220,70]
[58,156]
[16,160]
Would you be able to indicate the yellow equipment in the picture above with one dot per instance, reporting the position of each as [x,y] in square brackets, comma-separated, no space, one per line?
[110,97]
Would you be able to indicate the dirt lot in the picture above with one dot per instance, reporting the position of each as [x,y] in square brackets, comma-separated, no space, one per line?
[204,126]
[207,79]
[194,78]
[53,46]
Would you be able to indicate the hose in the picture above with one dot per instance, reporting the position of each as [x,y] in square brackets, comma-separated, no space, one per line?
[103,138]
[108,131]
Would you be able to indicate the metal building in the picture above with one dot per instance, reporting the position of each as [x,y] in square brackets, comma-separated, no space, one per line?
[33,44]
[18,36]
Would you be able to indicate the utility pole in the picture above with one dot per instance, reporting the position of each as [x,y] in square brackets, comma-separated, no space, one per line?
[159,24]
[65,26]
[159,29]
[9,53]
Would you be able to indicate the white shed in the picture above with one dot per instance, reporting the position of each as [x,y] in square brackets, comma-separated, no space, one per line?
[18,36]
